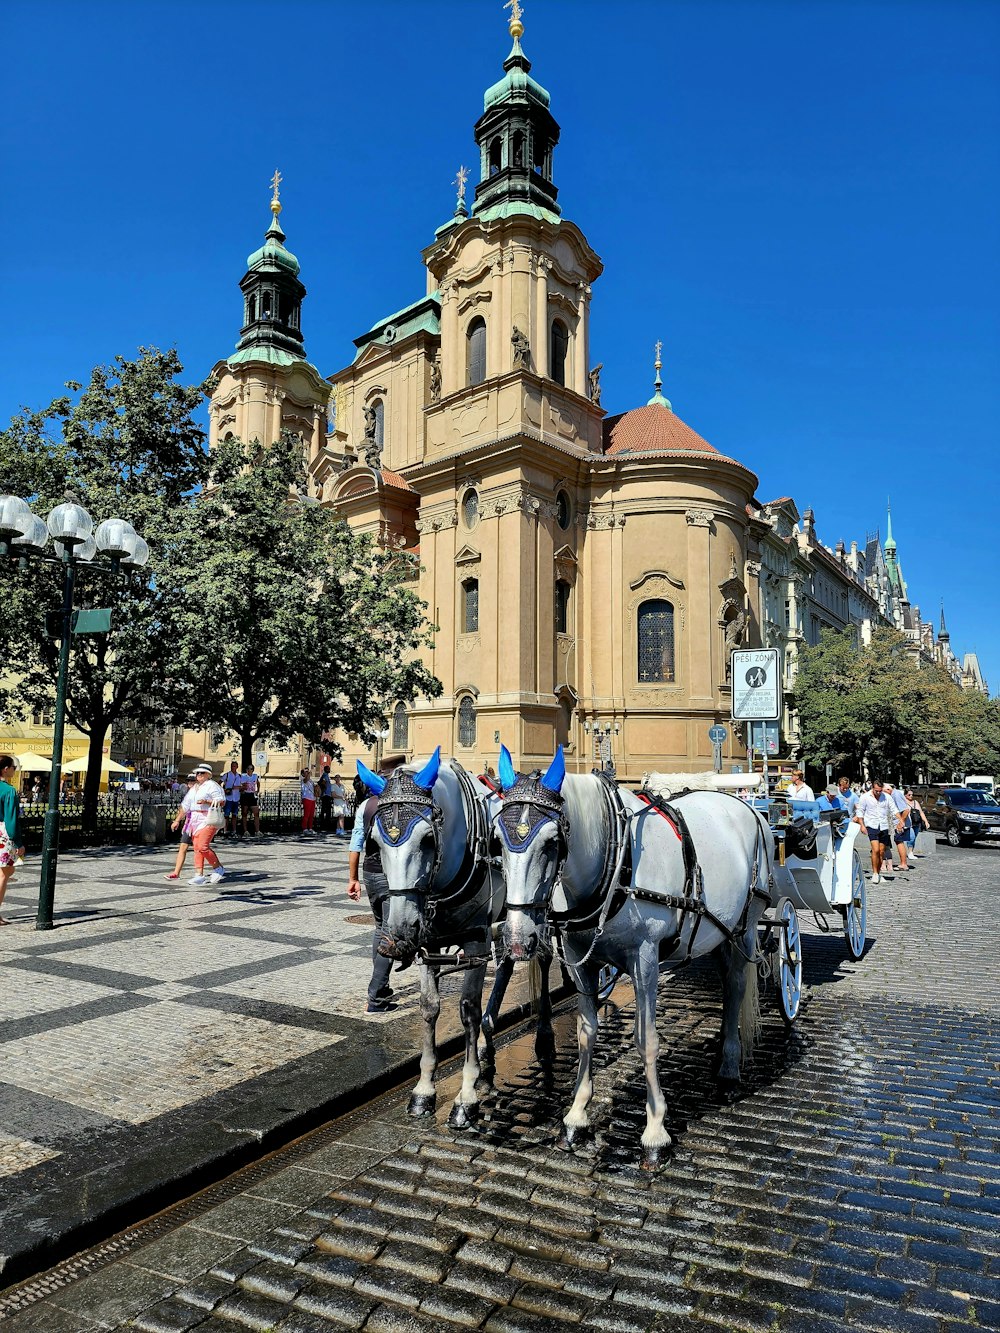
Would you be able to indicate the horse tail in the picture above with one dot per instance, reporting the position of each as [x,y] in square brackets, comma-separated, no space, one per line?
[534,984]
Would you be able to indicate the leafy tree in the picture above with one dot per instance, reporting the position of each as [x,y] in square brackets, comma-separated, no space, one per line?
[875,706]
[129,447]
[284,621]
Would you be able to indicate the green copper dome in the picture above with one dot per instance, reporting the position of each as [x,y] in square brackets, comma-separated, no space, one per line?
[273,251]
[516,81]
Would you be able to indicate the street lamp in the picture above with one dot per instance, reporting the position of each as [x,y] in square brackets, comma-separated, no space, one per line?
[23,535]
[603,731]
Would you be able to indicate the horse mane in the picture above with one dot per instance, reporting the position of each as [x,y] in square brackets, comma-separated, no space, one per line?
[585,809]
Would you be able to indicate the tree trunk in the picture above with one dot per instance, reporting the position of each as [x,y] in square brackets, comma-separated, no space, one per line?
[92,782]
[246,751]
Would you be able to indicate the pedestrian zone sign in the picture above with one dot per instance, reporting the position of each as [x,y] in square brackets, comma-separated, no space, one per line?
[756,685]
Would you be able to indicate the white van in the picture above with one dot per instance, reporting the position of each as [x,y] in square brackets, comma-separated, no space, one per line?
[981,782]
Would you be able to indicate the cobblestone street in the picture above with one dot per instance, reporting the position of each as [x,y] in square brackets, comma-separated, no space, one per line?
[855,1184]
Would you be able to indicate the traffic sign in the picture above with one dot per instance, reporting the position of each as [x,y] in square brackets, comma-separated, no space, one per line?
[756,685]
[717,734]
[96,621]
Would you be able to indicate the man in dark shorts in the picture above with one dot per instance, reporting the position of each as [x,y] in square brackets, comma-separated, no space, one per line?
[377,888]
[878,816]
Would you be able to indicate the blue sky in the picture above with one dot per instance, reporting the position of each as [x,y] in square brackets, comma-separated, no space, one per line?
[800,199]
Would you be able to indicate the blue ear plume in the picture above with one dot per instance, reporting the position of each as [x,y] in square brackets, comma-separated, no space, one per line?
[372,781]
[555,772]
[505,769]
[427,776]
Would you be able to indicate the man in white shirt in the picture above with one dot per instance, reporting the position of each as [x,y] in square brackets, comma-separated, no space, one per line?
[798,790]
[878,816]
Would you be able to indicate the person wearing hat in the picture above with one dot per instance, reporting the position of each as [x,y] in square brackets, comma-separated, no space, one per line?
[207,797]
[798,789]
[183,822]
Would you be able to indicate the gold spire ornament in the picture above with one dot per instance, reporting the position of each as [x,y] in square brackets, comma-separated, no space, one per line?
[459,183]
[659,349]
[515,27]
[276,180]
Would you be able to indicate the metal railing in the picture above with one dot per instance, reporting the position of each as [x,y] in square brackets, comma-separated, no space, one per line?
[119,815]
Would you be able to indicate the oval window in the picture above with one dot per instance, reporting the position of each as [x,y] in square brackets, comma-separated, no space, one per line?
[470,509]
[564,511]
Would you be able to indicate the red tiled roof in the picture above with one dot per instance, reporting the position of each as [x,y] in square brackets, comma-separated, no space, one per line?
[781,500]
[652,429]
[394,480]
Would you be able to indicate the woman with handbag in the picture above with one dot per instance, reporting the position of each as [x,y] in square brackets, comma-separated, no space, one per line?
[206,820]
[11,842]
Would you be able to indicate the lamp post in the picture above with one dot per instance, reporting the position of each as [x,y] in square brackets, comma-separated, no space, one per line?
[25,535]
[603,731]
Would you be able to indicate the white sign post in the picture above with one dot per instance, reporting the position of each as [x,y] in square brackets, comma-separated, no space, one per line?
[756,681]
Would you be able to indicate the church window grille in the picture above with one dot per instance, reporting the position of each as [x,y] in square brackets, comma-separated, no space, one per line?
[562,606]
[470,606]
[476,351]
[470,508]
[656,641]
[400,728]
[467,723]
[559,343]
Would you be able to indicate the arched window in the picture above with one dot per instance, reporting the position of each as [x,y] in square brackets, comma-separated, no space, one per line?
[564,510]
[265,305]
[251,309]
[656,641]
[379,409]
[562,606]
[496,159]
[518,155]
[558,344]
[400,728]
[476,350]
[467,723]
[470,508]
[539,154]
[470,606]
[564,723]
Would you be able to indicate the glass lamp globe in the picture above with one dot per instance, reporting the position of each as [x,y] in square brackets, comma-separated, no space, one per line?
[140,554]
[70,523]
[116,537]
[35,534]
[14,515]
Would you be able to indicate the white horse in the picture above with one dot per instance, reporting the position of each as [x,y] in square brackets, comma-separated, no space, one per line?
[432,828]
[619,882]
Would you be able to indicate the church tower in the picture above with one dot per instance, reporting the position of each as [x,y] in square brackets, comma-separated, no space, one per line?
[267,386]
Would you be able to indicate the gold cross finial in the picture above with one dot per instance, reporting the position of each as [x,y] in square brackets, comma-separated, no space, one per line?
[459,182]
[276,180]
[516,27]
[659,349]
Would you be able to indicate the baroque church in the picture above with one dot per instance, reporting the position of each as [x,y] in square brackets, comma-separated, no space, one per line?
[589,573]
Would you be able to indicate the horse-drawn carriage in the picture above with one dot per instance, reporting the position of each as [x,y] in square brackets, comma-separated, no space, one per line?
[580,867]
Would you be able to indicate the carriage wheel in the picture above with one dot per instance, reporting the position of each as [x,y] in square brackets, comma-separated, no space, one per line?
[856,911]
[788,970]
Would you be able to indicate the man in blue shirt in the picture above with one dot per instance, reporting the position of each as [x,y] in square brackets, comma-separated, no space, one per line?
[376,886]
[847,797]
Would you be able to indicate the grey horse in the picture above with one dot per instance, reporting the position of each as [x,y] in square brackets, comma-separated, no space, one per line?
[445,896]
[609,875]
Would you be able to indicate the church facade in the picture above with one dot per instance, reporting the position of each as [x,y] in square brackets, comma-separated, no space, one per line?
[588,573]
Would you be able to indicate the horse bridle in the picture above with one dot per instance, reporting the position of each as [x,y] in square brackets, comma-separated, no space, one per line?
[402,807]
[526,808]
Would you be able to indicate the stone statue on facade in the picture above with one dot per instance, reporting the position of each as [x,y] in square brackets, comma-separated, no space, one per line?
[436,380]
[522,349]
[371,425]
[595,384]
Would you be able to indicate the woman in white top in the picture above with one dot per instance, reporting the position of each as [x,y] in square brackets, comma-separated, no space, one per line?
[308,802]
[339,795]
[207,800]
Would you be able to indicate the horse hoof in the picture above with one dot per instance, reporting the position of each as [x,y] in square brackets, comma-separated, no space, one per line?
[729,1090]
[422,1103]
[572,1137]
[545,1047]
[654,1158]
[462,1117]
